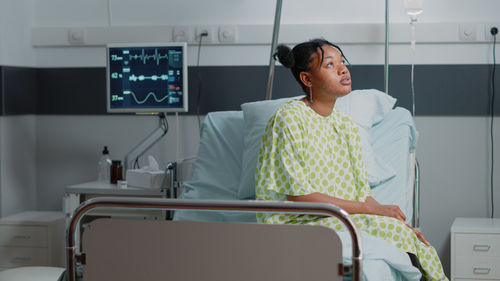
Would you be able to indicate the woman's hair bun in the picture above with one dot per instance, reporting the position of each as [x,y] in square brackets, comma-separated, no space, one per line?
[285,56]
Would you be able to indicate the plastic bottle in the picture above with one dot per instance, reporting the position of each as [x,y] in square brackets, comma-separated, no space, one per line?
[104,166]
[116,171]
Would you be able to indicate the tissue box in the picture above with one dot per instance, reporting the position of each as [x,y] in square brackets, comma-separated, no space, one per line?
[144,179]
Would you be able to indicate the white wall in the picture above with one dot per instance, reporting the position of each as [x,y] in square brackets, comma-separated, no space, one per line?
[454,155]
[18,187]
[16,20]
[453,151]
[17,133]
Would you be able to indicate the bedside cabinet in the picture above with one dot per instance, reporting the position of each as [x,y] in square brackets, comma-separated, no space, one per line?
[475,249]
[33,238]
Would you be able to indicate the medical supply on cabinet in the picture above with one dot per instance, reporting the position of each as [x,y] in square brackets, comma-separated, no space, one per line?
[103,169]
[116,171]
[149,176]
[121,184]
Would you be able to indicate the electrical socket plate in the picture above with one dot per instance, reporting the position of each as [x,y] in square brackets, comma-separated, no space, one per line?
[201,29]
[467,32]
[487,32]
[181,34]
[227,34]
[76,36]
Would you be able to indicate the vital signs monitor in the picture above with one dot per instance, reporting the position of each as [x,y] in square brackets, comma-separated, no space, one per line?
[143,78]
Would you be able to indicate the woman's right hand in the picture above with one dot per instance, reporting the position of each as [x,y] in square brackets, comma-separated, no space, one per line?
[388,211]
[370,206]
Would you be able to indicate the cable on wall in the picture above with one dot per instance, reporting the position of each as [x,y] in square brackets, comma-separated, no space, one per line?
[494,32]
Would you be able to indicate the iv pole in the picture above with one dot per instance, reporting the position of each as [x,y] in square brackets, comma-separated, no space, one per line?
[277,17]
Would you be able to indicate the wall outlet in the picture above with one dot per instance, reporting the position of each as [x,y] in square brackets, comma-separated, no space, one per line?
[181,34]
[209,38]
[76,36]
[228,34]
[467,32]
[487,30]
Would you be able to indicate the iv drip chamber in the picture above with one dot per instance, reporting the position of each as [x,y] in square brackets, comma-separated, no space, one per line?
[413,7]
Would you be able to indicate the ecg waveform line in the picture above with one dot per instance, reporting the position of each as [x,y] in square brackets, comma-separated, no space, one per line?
[152,77]
[146,98]
[145,57]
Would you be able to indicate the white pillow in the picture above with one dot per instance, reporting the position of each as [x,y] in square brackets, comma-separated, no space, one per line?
[377,171]
[257,114]
[367,108]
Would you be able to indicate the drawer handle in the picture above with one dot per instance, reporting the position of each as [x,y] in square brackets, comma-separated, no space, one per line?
[20,236]
[20,259]
[481,270]
[481,248]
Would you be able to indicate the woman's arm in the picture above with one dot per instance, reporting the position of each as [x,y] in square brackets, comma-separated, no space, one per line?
[370,206]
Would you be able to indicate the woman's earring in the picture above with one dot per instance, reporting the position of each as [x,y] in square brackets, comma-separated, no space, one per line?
[310,95]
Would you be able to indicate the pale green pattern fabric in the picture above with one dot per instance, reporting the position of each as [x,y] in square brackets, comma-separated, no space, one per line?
[303,152]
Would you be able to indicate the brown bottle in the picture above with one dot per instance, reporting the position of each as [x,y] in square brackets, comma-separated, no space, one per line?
[116,171]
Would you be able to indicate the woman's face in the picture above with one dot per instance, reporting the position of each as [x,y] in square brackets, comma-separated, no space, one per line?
[330,78]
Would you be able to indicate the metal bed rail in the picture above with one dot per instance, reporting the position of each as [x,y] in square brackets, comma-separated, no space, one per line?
[416,196]
[72,254]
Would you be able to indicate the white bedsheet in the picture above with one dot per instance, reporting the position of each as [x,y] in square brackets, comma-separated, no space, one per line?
[389,138]
[381,260]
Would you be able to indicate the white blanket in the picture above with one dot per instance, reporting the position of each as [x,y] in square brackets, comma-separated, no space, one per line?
[381,260]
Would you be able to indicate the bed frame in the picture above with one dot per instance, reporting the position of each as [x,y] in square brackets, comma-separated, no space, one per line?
[124,249]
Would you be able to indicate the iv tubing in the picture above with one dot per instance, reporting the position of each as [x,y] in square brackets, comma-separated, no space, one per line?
[386,64]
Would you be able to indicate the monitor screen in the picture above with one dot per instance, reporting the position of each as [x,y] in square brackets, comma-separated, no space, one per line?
[147,78]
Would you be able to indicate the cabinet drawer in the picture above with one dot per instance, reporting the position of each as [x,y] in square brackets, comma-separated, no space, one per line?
[20,256]
[477,245]
[28,236]
[477,268]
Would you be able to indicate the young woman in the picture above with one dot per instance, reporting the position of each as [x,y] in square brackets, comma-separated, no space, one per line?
[311,152]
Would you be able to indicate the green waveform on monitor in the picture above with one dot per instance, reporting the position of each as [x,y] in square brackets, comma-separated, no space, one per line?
[146,98]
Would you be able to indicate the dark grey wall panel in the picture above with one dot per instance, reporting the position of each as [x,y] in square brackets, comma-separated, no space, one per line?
[226,88]
[444,90]
[71,91]
[441,90]
[18,90]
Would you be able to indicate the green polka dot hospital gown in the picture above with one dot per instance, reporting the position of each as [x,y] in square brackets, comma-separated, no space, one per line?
[303,152]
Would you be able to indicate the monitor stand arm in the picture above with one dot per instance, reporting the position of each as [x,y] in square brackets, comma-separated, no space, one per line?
[162,127]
